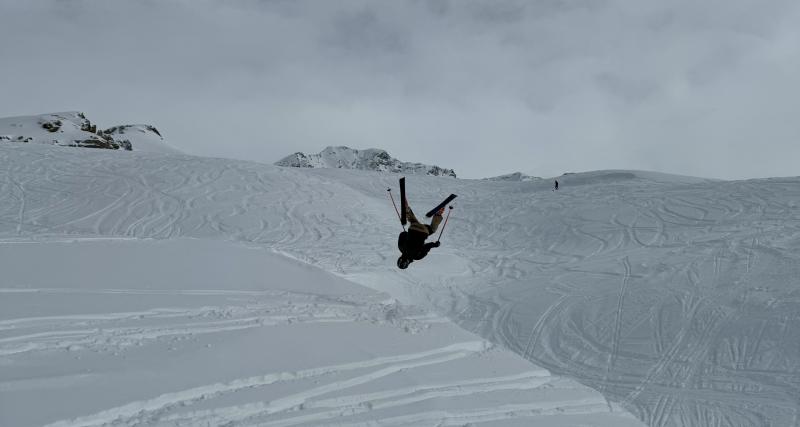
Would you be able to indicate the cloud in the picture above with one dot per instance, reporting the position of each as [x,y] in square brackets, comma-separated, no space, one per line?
[485,87]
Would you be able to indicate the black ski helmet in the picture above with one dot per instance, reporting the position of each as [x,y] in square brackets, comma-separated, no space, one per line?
[403,262]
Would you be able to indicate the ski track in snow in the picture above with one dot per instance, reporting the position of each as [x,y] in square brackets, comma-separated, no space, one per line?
[113,331]
[150,410]
[699,327]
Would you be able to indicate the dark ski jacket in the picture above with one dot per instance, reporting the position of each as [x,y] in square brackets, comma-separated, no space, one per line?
[412,244]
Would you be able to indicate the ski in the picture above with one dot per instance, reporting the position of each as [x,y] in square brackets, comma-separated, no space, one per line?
[441,205]
[403,203]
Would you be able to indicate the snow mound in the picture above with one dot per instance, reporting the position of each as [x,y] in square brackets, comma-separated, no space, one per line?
[73,129]
[370,159]
[603,177]
[622,176]
[514,177]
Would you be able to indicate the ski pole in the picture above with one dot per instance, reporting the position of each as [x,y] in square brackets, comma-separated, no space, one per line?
[395,208]
[444,225]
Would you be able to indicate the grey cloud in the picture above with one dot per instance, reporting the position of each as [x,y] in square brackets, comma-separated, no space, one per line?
[486,87]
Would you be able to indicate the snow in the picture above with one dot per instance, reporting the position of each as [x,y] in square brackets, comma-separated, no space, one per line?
[151,331]
[70,129]
[142,138]
[516,176]
[167,289]
[372,159]
[29,128]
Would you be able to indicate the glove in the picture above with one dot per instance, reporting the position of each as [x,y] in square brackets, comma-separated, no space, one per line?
[436,244]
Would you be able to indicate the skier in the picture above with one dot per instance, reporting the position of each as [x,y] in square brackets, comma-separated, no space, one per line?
[555,188]
[412,242]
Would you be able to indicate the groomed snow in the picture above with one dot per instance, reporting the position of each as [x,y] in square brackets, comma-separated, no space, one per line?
[206,332]
[674,296]
[100,324]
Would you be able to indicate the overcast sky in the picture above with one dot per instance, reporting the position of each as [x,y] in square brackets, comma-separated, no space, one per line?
[707,88]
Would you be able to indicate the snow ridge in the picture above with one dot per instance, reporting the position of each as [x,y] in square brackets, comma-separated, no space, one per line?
[74,129]
[370,159]
[515,176]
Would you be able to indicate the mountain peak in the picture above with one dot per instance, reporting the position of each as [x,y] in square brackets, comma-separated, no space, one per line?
[73,129]
[375,159]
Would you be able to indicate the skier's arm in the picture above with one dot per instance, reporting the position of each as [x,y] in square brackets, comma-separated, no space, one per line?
[423,252]
[431,245]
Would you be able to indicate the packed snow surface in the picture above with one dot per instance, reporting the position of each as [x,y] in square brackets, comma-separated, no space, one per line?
[133,293]
[204,332]
[675,297]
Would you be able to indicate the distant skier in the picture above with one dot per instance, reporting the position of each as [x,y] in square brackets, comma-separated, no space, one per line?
[412,242]
[555,187]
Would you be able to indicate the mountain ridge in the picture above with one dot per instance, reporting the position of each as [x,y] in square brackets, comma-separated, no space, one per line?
[74,129]
[342,157]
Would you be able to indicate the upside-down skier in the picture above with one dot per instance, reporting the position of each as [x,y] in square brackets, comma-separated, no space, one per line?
[412,242]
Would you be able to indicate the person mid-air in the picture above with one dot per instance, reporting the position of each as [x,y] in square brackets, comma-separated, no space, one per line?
[412,242]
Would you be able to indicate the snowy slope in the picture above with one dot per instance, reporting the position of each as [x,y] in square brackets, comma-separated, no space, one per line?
[516,176]
[152,332]
[371,159]
[73,129]
[213,323]
[675,297]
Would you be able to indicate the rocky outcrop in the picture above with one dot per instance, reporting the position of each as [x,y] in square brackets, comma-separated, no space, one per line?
[370,159]
[73,129]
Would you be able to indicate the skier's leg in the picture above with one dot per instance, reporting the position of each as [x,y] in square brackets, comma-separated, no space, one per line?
[410,215]
[437,219]
[414,224]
